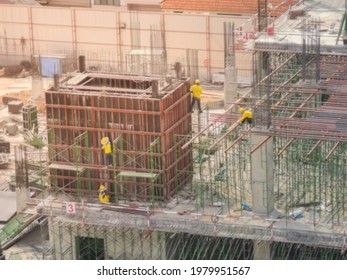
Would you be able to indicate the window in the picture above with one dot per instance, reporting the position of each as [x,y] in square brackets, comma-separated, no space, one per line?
[107,2]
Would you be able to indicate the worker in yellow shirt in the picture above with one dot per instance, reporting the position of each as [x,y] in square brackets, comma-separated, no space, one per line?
[247,116]
[107,147]
[196,91]
[104,197]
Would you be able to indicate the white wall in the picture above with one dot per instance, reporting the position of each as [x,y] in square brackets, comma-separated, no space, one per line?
[105,36]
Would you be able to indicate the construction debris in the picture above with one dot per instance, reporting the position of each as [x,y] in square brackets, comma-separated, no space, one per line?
[11,128]
[15,107]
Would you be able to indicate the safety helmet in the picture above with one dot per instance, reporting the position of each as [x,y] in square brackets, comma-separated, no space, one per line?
[102,188]
[197,81]
[241,110]
[104,140]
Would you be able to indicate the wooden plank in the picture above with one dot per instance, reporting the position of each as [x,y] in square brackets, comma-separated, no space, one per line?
[135,174]
[65,167]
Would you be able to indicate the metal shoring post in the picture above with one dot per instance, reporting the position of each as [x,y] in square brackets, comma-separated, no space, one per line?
[157,162]
[211,186]
[314,183]
[200,191]
[54,180]
[214,220]
[114,160]
[339,194]
[121,165]
[227,183]
[83,213]
[332,200]
[77,159]
[176,167]
[86,145]
[151,149]
[242,189]
[336,191]
[41,173]
[325,179]
[236,173]
[320,182]
[287,164]
[294,178]
[148,231]
[104,231]
[344,179]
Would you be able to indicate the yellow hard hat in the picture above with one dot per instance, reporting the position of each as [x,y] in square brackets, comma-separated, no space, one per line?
[102,188]
[197,81]
[104,140]
[242,110]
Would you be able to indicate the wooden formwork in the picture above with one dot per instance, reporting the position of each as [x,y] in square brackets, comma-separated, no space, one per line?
[140,115]
[30,121]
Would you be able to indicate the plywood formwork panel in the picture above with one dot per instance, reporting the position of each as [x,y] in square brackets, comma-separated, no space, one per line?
[141,127]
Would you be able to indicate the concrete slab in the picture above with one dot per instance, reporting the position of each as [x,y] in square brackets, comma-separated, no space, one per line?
[8,206]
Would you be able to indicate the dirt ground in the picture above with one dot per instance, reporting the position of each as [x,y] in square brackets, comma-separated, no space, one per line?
[20,89]
[30,247]
[26,97]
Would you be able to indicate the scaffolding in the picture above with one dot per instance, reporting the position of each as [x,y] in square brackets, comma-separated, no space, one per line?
[124,232]
[187,193]
[307,127]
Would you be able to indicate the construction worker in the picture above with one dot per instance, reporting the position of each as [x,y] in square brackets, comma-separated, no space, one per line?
[106,146]
[196,91]
[104,197]
[247,116]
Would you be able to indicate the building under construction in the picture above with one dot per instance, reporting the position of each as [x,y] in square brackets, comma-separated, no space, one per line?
[142,116]
[199,186]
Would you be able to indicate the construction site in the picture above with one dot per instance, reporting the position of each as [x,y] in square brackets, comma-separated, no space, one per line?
[183,185]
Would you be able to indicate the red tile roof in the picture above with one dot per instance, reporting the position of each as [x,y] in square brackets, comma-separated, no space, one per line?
[243,7]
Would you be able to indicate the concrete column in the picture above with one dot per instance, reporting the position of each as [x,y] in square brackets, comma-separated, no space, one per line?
[261,250]
[22,188]
[37,87]
[230,86]
[155,89]
[262,177]
[56,82]
[82,63]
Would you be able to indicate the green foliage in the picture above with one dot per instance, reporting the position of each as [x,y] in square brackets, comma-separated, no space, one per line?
[34,139]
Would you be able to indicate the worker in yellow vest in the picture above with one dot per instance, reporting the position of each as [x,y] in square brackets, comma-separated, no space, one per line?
[247,116]
[104,197]
[107,147]
[196,91]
